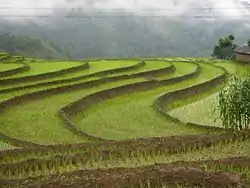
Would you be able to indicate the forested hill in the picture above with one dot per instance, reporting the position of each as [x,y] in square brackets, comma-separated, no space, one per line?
[30,47]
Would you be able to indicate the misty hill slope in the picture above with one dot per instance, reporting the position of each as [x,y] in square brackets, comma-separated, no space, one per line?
[30,47]
[124,34]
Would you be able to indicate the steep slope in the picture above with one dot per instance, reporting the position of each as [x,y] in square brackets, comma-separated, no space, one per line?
[30,47]
[102,33]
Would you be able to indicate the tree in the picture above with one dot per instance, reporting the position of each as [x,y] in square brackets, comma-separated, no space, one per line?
[231,37]
[248,42]
[225,47]
[234,104]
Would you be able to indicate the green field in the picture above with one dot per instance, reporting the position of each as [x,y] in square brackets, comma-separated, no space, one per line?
[132,116]
[205,111]
[58,130]
[37,68]
[9,66]
[149,66]
[95,67]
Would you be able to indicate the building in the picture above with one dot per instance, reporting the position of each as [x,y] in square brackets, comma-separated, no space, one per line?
[242,53]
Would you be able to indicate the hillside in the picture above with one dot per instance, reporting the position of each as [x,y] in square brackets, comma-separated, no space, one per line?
[131,37]
[29,46]
[127,34]
[119,123]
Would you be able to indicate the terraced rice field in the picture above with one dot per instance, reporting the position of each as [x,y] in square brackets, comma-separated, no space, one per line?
[118,123]
[9,66]
[205,111]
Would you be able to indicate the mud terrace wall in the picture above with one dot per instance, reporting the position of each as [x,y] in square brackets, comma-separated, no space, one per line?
[111,150]
[157,175]
[124,148]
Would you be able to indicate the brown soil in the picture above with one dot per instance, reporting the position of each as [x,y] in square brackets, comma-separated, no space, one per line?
[124,177]
[235,162]
[176,172]
[173,144]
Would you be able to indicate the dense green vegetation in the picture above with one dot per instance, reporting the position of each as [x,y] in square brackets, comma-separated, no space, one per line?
[225,48]
[59,129]
[234,104]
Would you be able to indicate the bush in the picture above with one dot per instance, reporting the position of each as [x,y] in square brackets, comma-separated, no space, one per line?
[234,104]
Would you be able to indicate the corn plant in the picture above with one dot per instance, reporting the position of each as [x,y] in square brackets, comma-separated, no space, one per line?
[234,104]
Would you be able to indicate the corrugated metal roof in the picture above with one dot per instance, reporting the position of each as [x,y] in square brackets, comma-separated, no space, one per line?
[243,50]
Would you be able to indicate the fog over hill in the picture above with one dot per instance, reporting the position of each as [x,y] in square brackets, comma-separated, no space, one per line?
[124,28]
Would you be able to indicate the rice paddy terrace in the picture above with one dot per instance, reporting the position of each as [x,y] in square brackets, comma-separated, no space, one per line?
[117,123]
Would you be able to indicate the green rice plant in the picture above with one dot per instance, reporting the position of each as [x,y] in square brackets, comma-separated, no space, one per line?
[9,66]
[5,146]
[43,168]
[46,118]
[3,54]
[4,57]
[95,67]
[149,66]
[148,184]
[222,150]
[136,161]
[48,114]
[132,115]
[204,110]
[123,153]
[178,72]
[149,158]
[234,68]
[37,68]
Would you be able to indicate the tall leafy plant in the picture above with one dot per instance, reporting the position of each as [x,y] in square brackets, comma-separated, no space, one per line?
[234,104]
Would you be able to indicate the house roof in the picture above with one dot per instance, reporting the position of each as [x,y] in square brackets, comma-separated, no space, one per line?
[243,50]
